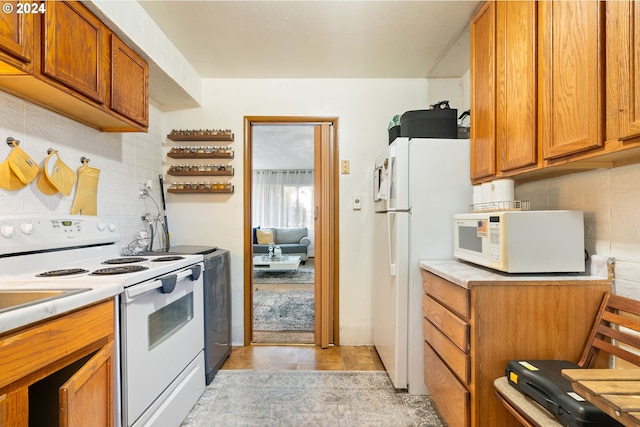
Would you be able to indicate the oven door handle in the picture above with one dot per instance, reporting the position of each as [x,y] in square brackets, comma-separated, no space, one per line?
[165,284]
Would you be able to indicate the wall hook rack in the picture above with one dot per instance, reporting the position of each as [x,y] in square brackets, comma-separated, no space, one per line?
[11,140]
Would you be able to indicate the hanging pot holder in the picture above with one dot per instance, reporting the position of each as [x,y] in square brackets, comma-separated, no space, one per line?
[85,199]
[8,180]
[60,175]
[43,183]
[25,168]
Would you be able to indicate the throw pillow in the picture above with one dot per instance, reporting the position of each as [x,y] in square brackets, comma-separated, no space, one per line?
[291,235]
[265,237]
[255,238]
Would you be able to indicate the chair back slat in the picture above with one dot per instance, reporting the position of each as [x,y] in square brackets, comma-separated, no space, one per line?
[619,352]
[615,331]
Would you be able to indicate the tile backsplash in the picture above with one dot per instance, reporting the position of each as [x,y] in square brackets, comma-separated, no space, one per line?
[125,160]
[610,200]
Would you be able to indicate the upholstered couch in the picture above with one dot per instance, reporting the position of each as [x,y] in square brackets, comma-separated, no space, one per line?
[292,241]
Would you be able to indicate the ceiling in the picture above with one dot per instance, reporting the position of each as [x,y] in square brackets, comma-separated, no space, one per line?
[318,39]
[282,146]
[315,39]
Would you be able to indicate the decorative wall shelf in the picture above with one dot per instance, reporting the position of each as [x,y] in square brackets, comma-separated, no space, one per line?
[223,155]
[200,173]
[175,191]
[201,135]
[201,188]
[201,170]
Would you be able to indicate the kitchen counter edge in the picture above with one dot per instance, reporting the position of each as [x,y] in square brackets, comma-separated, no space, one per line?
[599,269]
[25,316]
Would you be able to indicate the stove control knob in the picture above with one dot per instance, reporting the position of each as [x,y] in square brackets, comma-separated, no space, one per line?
[112,227]
[7,230]
[26,227]
[102,226]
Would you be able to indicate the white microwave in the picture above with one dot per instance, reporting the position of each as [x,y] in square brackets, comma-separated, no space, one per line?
[522,241]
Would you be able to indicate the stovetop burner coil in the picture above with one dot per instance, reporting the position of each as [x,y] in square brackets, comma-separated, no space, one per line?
[64,272]
[125,260]
[167,258]
[119,270]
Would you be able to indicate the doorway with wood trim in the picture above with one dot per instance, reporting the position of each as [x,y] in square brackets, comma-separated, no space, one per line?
[325,223]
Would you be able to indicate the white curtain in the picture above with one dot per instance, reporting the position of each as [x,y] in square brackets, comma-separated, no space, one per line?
[283,198]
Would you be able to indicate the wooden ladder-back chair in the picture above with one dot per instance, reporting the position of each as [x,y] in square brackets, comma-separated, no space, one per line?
[615,332]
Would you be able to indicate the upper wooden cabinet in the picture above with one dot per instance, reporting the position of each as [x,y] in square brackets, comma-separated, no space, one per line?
[504,88]
[516,102]
[73,49]
[623,69]
[66,60]
[129,82]
[483,92]
[566,87]
[16,41]
[571,73]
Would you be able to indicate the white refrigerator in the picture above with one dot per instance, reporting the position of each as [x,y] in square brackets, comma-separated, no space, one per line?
[419,184]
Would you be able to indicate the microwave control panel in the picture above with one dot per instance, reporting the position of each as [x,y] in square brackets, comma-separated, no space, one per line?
[494,238]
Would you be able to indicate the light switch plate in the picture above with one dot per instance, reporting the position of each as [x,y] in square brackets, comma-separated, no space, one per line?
[344,166]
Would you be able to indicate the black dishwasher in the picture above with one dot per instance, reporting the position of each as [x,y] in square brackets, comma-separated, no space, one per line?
[217,303]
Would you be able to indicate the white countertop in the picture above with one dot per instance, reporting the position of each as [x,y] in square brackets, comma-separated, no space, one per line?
[466,274]
[23,316]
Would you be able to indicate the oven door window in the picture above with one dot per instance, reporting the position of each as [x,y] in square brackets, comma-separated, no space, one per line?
[468,238]
[169,319]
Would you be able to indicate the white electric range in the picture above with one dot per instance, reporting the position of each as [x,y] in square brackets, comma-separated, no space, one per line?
[160,322]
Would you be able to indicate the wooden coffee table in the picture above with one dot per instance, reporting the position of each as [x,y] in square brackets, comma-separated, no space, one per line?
[290,263]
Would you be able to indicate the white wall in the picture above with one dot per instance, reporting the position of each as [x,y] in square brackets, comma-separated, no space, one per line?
[124,161]
[364,108]
[610,199]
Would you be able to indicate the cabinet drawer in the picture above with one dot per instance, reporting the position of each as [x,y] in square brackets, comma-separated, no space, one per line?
[451,397]
[456,329]
[446,293]
[457,360]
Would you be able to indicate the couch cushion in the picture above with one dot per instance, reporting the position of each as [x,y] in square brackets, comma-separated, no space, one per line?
[290,235]
[265,236]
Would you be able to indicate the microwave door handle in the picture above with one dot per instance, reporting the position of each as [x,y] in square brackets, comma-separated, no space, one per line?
[392,264]
[164,284]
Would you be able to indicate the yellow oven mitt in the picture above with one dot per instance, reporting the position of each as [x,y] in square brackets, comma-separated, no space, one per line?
[85,199]
[43,183]
[8,180]
[61,176]
[25,168]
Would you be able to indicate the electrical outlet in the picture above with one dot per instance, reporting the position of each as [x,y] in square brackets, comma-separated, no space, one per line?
[344,166]
[356,202]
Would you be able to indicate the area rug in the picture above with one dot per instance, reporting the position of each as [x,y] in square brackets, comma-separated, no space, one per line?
[301,275]
[283,310]
[309,398]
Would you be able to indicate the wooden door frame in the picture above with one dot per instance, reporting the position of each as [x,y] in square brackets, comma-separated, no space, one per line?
[248,235]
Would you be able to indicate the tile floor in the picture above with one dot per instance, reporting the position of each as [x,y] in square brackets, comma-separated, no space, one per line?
[304,357]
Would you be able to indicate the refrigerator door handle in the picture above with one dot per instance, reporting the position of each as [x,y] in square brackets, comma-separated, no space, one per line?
[392,264]
[390,191]
[377,179]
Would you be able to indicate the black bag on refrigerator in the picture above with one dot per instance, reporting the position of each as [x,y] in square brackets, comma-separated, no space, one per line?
[434,123]
[542,381]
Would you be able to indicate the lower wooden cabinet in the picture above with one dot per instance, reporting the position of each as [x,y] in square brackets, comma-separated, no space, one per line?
[61,371]
[472,332]
[450,396]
